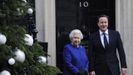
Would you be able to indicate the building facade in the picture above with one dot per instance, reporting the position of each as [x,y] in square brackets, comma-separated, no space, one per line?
[46,22]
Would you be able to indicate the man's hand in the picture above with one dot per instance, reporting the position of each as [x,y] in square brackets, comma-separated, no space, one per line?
[123,71]
[92,73]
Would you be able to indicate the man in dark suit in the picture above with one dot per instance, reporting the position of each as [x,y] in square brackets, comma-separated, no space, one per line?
[105,45]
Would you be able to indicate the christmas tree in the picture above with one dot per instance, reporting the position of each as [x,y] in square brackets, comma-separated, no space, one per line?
[20,54]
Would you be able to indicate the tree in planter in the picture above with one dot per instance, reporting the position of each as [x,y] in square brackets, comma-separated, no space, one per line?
[18,54]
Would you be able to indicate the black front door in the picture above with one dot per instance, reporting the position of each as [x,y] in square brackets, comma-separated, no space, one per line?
[81,14]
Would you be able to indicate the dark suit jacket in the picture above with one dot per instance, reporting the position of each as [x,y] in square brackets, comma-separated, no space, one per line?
[99,55]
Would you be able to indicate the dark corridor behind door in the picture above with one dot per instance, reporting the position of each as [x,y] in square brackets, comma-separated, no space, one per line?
[81,14]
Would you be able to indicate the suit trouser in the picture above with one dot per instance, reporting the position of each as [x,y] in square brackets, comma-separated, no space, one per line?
[102,69]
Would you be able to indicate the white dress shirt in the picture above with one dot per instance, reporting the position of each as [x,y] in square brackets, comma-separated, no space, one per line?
[102,37]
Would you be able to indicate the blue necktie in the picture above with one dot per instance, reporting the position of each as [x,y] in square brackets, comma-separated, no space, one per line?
[105,40]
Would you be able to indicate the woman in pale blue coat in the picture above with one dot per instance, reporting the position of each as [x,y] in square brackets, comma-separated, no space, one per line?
[75,58]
